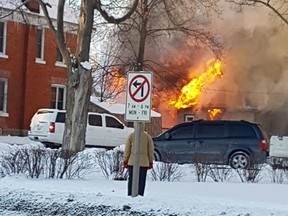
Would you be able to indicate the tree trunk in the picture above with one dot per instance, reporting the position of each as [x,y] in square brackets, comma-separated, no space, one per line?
[77,106]
[143,35]
[79,86]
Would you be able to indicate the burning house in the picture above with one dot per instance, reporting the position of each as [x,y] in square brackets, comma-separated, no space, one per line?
[249,84]
[200,98]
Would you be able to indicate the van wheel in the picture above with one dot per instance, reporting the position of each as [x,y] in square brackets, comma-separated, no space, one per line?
[239,160]
[157,156]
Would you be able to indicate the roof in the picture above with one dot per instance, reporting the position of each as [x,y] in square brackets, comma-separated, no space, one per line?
[70,15]
[116,108]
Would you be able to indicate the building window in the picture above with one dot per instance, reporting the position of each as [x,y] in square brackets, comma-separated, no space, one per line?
[58,100]
[59,56]
[3,35]
[188,118]
[59,59]
[3,95]
[40,45]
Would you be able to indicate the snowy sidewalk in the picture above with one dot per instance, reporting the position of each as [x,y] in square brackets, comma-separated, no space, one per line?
[107,197]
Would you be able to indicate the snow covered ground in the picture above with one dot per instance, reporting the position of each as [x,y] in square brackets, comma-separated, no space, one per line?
[96,195]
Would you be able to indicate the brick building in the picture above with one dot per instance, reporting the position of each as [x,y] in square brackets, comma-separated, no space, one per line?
[32,73]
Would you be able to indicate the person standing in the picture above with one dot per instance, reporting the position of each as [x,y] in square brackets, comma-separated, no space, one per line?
[146,152]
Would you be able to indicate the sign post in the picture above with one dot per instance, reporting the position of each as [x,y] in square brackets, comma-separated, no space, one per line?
[138,109]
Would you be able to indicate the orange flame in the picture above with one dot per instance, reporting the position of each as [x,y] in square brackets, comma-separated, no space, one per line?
[190,93]
[213,113]
[115,82]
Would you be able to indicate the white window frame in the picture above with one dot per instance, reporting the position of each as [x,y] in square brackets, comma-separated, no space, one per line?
[3,112]
[189,118]
[57,86]
[3,52]
[59,63]
[41,59]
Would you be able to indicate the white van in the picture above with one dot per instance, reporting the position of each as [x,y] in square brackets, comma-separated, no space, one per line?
[103,130]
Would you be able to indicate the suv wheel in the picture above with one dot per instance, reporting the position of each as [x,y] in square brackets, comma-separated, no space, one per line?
[239,160]
[157,156]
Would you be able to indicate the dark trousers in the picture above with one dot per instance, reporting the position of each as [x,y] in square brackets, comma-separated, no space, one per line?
[142,180]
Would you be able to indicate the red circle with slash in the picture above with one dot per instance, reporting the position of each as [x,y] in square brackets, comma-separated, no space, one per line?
[138,88]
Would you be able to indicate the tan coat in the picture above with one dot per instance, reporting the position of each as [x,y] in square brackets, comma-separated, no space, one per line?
[146,150]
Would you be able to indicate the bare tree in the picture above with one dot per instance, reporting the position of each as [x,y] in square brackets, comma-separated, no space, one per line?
[278,7]
[78,67]
[159,27]
[170,21]
[108,75]
[79,76]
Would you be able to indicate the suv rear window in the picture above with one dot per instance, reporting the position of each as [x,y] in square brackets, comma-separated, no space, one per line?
[44,115]
[241,130]
[61,117]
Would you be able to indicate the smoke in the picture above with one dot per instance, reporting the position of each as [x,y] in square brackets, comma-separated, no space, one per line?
[255,66]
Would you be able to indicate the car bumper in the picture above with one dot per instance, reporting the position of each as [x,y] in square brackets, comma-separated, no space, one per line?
[42,138]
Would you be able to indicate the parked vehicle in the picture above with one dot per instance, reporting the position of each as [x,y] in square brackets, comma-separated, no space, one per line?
[103,130]
[239,144]
[278,152]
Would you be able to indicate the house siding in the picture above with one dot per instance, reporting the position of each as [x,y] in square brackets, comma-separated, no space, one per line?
[29,83]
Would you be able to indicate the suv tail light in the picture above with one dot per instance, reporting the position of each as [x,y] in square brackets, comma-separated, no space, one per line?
[263,145]
[52,127]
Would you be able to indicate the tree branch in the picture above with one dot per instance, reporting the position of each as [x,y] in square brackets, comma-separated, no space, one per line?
[111,19]
[18,7]
[60,30]
[265,3]
[47,16]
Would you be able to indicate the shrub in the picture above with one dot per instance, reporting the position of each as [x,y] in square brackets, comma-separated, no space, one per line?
[166,172]
[219,173]
[111,163]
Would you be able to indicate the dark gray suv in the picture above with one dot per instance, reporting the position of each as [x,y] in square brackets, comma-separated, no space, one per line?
[239,144]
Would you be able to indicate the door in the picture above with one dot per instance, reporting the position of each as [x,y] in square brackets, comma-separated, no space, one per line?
[95,130]
[180,146]
[40,122]
[211,142]
[115,133]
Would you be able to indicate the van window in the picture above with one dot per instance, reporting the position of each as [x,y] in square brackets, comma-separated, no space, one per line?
[241,130]
[112,122]
[61,117]
[95,120]
[210,131]
[181,132]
